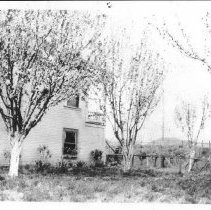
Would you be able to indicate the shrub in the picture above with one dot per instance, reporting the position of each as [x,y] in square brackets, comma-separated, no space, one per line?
[96,158]
[28,168]
[43,163]
[64,166]
[99,164]
[7,155]
[40,166]
[80,164]
[44,152]
[96,155]
[80,167]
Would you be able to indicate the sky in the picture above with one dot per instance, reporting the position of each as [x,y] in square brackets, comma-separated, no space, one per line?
[186,79]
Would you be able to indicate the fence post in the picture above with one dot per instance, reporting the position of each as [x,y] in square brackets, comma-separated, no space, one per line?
[133,160]
[202,148]
[147,160]
[162,161]
[180,165]
[155,161]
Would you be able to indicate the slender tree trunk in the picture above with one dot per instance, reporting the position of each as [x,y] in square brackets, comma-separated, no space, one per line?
[147,161]
[155,161]
[15,157]
[169,164]
[180,165]
[162,161]
[191,159]
[128,159]
[127,163]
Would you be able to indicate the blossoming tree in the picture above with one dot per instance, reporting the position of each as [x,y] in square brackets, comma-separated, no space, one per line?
[41,64]
[131,77]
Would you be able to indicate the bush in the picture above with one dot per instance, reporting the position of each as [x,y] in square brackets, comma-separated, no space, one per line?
[28,168]
[96,155]
[43,164]
[80,164]
[99,164]
[40,166]
[80,167]
[64,166]
[44,152]
[96,158]
[7,155]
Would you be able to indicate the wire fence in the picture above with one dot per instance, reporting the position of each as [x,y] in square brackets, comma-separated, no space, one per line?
[181,143]
[178,164]
[163,144]
[143,156]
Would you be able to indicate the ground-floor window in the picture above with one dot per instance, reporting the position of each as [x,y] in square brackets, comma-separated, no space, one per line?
[70,142]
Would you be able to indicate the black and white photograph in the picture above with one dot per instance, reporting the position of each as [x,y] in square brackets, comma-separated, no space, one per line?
[105,102]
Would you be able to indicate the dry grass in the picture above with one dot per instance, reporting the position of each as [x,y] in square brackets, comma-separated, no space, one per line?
[107,185]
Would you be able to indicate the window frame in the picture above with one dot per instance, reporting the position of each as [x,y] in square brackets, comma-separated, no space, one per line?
[77,99]
[63,141]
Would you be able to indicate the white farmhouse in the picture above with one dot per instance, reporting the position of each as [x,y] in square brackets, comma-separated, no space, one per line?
[69,130]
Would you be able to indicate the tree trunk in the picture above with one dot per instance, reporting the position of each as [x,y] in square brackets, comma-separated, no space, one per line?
[155,161]
[169,164]
[180,165]
[147,161]
[14,158]
[128,158]
[127,163]
[162,161]
[191,159]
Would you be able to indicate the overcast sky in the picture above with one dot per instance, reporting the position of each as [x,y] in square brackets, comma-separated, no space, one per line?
[186,79]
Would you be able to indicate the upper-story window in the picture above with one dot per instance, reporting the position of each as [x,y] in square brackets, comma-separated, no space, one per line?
[73,101]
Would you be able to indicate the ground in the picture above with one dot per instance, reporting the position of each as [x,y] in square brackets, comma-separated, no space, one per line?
[107,185]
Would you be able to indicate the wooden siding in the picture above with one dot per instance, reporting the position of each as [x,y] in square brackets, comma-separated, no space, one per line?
[50,131]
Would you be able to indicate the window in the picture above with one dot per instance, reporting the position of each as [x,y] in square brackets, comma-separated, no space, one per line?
[74,102]
[70,142]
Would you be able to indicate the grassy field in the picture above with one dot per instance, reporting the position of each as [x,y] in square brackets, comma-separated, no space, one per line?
[107,185]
